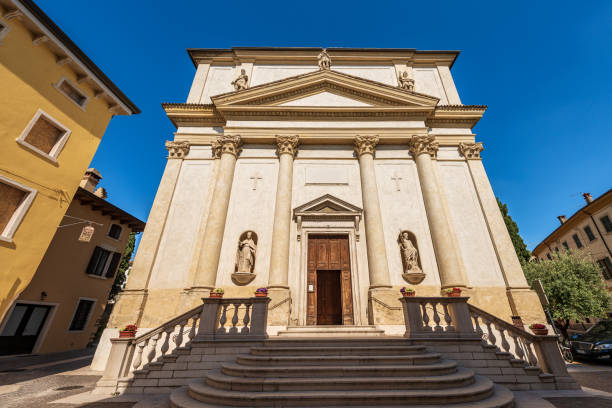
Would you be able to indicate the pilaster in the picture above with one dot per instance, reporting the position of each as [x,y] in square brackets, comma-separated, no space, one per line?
[199,81]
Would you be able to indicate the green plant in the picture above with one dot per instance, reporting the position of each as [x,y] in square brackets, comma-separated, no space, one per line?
[519,245]
[573,285]
[130,328]
[218,290]
[452,290]
[406,290]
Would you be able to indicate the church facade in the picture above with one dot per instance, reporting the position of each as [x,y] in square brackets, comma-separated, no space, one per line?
[331,177]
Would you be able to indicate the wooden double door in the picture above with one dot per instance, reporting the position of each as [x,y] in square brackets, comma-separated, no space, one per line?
[330,298]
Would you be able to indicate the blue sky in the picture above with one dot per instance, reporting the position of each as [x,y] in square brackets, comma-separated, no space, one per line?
[543,68]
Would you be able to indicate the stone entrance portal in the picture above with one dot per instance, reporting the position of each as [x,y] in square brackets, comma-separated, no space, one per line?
[329,297]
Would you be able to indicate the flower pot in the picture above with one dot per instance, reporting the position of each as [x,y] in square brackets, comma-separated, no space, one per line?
[126,333]
[453,294]
[540,332]
[216,295]
[261,294]
[407,294]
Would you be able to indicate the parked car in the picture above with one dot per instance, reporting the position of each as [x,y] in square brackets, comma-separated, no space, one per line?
[595,343]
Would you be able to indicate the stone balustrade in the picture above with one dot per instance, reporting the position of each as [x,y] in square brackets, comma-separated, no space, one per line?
[216,319]
[453,317]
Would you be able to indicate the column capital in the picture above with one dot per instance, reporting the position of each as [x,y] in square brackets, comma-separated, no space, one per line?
[177,150]
[366,144]
[423,144]
[471,151]
[227,144]
[287,144]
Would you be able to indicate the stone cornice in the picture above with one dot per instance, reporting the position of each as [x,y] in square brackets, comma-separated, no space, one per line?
[308,56]
[287,144]
[366,144]
[423,145]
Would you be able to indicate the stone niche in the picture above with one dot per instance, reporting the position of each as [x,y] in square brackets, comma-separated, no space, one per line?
[411,261]
[246,254]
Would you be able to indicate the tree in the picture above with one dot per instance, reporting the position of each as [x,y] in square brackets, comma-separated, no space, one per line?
[573,285]
[519,245]
[123,266]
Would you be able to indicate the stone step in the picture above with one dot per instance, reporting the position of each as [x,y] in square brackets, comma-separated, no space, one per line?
[482,388]
[501,398]
[462,377]
[355,341]
[339,370]
[338,350]
[331,331]
[327,360]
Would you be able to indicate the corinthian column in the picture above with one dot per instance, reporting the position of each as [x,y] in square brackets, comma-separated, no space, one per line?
[375,238]
[228,147]
[423,148]
[279,257]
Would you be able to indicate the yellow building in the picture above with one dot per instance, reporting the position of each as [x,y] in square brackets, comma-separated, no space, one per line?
[55,105]
[588,229]
[61,307]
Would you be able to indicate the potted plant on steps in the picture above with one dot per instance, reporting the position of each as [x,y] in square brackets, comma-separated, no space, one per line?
[128,331]
[539,329]
[407,292]
[261,292]
[453,292]
[216,293]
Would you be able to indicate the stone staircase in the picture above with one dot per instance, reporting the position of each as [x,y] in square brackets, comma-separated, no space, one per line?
[331,331]
[335,371]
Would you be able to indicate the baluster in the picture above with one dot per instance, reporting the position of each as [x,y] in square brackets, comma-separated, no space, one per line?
[246,320]
[436,317]
[425,317]
[192,330]
[518,349]
[178,340]
[477,325]
[447,318]
[504,342]
[531,357]
[223,320]
[166,345]
[491,336]
[152,351]
[138,358]
[234,328]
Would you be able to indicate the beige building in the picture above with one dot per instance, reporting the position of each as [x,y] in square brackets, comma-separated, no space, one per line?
[588,229]
[333,178]
[60,307]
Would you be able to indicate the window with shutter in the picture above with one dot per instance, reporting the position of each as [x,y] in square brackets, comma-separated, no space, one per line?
[115,231]
[605,220]
[589,232]
[15,199]
[44,136]
[72,92]
[606,267]
[98,261]
[81,315]
[114,263]
[577,240]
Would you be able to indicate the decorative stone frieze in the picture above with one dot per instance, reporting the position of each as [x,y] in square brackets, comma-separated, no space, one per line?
[177,150]
[227,144]
[471,151]
[366,144]
[287,144]
[423,144]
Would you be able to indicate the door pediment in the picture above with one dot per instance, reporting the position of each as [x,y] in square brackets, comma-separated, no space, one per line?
[321,93]
[327,208]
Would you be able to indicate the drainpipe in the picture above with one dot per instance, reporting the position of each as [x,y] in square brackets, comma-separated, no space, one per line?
[599,232]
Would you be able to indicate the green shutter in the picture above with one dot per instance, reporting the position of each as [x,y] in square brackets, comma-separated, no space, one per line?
[113,265]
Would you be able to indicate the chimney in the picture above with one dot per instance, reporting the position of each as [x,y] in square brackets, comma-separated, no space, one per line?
[588,198]
[562,219]
[101,192]
[90,180]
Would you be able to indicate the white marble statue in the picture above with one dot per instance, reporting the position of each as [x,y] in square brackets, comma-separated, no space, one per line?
[246,254]
[405,82]
[410,255]
[242,82]
[324,61]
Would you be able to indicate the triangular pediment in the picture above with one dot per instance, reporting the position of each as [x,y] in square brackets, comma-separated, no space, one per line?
[317,89]
[327,204]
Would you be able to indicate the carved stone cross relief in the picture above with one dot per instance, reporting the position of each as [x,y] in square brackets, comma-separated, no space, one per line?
[397,180]
[255,177]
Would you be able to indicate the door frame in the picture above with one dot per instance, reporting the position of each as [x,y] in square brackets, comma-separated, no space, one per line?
[46,324]
[302,301]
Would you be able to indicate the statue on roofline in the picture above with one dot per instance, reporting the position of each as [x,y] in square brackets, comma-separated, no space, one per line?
[242,82]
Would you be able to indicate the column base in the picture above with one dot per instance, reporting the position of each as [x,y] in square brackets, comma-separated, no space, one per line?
[279,308]
[384,306]
[526,304]
[129,308]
